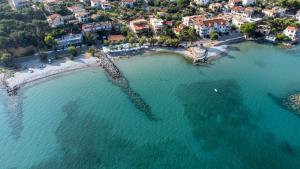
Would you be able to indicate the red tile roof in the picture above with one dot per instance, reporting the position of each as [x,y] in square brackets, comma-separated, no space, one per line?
[294,28]
[112,38]
[238,9]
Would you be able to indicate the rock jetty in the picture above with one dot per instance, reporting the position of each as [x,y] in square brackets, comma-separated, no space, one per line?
[118,79]
[11,91]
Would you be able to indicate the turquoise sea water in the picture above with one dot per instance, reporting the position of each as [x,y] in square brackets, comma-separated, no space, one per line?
[81,121]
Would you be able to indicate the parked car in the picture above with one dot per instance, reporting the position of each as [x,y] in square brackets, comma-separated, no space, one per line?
[30,70]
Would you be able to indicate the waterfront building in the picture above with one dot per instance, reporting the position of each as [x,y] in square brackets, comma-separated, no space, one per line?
[139,26]
[55,20]
[157,25]
[219,25]
[202,2]
[271,38]
[69,40]
[292,32]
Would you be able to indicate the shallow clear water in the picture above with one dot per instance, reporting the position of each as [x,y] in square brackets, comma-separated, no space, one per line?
[82,121]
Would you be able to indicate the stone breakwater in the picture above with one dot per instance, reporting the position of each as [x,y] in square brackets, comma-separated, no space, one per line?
[11,91]
[118,79]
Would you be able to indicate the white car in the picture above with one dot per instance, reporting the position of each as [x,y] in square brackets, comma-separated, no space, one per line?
[30,70]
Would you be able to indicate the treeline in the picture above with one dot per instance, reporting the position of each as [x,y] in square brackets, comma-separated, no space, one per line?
[21,28]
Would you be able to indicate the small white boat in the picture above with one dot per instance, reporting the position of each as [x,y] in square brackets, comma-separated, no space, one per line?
[216,90]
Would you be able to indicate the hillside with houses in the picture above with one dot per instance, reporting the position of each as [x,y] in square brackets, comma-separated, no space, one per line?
[42,25]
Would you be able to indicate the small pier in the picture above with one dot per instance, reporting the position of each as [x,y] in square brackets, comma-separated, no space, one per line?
[199,53]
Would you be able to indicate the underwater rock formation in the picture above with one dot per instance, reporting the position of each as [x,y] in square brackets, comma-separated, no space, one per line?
[292,102]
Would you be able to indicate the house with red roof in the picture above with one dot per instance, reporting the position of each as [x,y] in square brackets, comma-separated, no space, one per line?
[292,32]
[139,26]
[219,25]
[55,20]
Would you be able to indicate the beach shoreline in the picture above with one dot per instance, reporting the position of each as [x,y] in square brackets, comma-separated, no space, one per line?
[24,77]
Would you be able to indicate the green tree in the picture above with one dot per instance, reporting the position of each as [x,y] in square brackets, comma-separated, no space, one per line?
[92,51]
[214,35]
[182,3]
[152,41]
[5,58]
[72,50]
[132,40]
[43,56]
[282,37]
[90,38]
[142,40]
[248,29]
[105,43]
[161,40]
[50,41]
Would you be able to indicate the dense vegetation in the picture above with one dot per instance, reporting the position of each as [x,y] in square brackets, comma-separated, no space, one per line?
[21,28]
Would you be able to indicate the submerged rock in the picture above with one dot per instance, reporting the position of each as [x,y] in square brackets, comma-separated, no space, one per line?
[292,102]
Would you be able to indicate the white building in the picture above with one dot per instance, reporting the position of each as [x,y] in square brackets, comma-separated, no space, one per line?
[100,26]
[127,3]
[202,2]
[69,40]
[248,2]
[104,4]
[82,17]
[19,4]
[55,20]
[238,21]
[291,32]
[191,20]
[298,16]
[207,26]
[274,12]
[157,25]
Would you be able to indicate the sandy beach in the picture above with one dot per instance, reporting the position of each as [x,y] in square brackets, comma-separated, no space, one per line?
[24,76]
